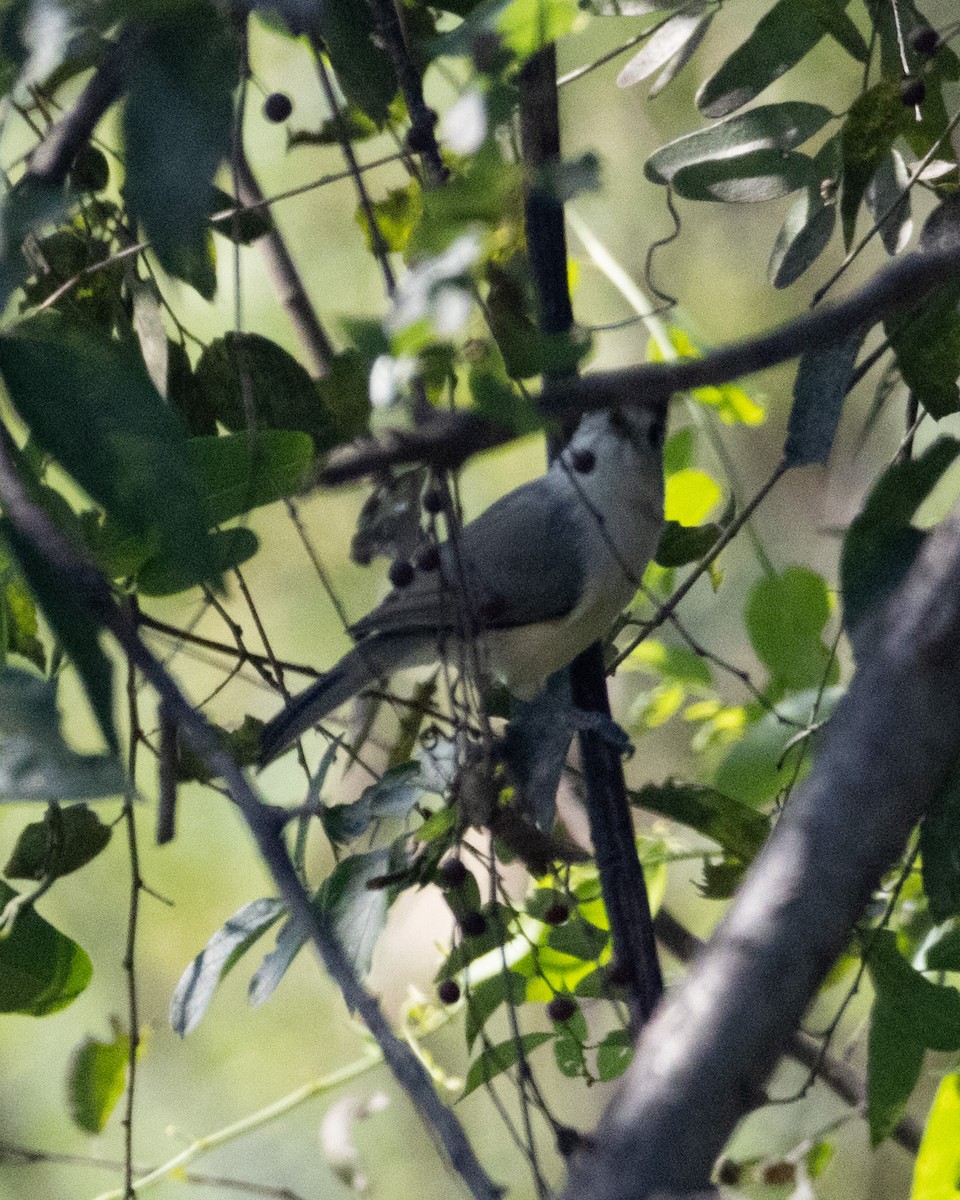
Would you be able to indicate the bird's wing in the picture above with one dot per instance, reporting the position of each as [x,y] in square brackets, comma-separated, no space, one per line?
[523,560]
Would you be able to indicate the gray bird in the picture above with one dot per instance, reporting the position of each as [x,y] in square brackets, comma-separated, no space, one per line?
[549,568]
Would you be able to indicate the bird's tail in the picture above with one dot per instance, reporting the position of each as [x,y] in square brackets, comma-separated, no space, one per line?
[372,659]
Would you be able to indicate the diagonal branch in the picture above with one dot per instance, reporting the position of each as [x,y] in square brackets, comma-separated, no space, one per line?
[265,821]
[898,284]
[703,1061]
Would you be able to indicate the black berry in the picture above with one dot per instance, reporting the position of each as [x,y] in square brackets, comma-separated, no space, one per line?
[583,461]
[912,91]
[449,991]
[925,41]
[429,558]
[556,914]
[90,171]
[453,873]
[277,107]
[433,501]
[561,1008]
[401,573]
[473,924]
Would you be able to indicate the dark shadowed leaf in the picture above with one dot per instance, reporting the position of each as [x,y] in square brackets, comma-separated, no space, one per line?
[735,827]
[820,388]
[90,403]
[65,840]
[682,544]
[888,201]
[744,179]
[176,129]
[873,123]
[236,475]
[940,853]
[165,575]
[363,68]
[497,1059]
[486,997]
[79,633]
[778,127]
[244,227]
[831,15]
[943,949]
[614,1054]
[41,969]
[810,221]
[894,1061]
[193,993]
[881,544]
[96,1078]
[926,342]
[778,42]
[35,761]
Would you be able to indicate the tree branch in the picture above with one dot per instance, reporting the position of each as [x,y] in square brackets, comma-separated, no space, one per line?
[833,1072]
[898,284]
[703,1061]
[265,821]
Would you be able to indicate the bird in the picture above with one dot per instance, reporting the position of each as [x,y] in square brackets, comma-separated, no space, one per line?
[539,576]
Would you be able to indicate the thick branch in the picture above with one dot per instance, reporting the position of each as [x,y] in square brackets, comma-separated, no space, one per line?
[265,822]
[832,1072]
[900,283]
[703,1061]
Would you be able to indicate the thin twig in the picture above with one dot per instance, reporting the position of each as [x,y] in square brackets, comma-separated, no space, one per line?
[133,913]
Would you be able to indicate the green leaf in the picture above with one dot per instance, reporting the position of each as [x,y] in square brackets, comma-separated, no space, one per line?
[242,367]
[785,617]
[523,26]
[578,938]
[810,221]
[874,122]
[831,15]
[168,575]
[888,199]
[744,179]
[196,986]
[754,770]
[237,474]
[96,1079]
[943,950]
[735,827]
[668,41]
[363,66]
[568,1053]
[65,840]
[682,544]
[79,634]
[881,544]
[41,969]
[486,997]
[614,1055]
[771,127]
[90,403]
[20,618]
[895,1058]
[669,662]
[176,129]
[35,761]
[497,1059]
[242,228]
[393,795]
[928,1012]
[689,496]
[819,390]
[926,342]
[396,215]
[937,1170]
[780,39]
[940,852]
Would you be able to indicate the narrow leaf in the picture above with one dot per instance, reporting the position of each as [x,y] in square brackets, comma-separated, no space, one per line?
[819,390]
[745,179]
[497,1059]
[735,827]
[199,981]
[873,123]
[668,41]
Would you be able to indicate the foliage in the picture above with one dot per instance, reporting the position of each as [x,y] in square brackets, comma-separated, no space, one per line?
[151,447]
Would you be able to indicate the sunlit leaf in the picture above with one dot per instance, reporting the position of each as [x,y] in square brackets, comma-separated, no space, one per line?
[936,1173]
[673,662]
[690,496]
[771,127]
[96,1079]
